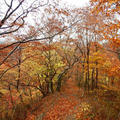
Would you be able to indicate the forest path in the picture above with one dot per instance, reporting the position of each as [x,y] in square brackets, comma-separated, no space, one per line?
[66,105]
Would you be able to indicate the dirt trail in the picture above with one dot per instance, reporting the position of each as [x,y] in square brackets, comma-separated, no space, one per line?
[66,105]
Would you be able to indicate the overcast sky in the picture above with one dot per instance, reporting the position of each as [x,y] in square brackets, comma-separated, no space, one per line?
[77,3]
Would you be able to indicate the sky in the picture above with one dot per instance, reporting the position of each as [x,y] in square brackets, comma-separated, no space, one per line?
[76,3]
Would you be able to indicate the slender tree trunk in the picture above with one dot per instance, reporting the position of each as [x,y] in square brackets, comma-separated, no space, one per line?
[51,86]
[59,82]
[88,72]
[96,77]
[96,85]
[78,76]
[93,81]
[11,97]
[19,75]
[47,88]
[86,81]
[87,58]
[19,69]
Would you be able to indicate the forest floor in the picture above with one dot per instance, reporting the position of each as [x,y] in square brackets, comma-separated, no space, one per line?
[69,104]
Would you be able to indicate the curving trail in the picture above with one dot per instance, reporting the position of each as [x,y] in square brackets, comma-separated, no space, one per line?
[66,105]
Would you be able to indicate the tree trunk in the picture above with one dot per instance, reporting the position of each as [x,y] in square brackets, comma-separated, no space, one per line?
[59,82]
[93,81]
[96,77]
[51,86]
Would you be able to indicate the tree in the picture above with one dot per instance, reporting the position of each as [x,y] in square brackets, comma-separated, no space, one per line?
[110,9]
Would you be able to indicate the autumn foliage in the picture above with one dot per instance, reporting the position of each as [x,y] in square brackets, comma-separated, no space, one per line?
[58,62]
